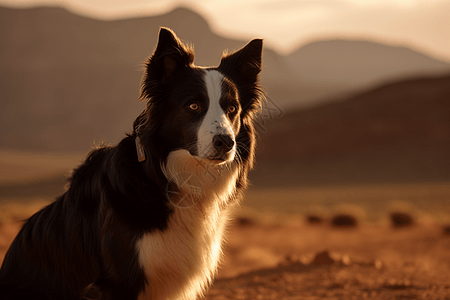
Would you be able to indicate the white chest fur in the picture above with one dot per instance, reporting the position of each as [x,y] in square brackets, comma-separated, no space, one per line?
[181,261]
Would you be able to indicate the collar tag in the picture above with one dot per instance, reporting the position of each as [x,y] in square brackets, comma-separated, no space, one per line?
[140,150]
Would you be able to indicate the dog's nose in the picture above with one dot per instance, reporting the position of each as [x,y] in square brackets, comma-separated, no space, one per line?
[223,143]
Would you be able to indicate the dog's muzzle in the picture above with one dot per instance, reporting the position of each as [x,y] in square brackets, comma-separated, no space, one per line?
[223,143]
[223,147]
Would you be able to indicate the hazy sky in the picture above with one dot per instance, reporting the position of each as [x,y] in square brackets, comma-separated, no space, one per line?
[423,25]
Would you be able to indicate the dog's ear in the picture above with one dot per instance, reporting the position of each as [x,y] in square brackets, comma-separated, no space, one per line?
[170,54]
[243,68]
[244,65]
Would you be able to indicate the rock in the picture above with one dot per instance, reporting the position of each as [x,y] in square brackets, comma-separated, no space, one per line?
[244,221]
[289,260]
[344,220]
[345,260]
[378,264]
[314,219]
[401,219]
[447,230]
[323,259]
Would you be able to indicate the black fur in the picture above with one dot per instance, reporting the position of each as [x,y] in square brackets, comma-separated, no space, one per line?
[82,246]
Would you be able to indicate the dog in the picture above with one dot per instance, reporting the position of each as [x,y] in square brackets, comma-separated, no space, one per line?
[145,219]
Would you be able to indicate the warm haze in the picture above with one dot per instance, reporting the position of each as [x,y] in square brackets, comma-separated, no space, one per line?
[422,25]
[359,96]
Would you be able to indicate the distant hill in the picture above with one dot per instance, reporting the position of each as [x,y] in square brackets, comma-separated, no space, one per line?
[395,132]
[66,80]
[357,64]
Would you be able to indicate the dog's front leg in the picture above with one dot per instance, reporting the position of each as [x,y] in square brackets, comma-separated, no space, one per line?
[115,286]
[91,292]
[105,289]
[120,274]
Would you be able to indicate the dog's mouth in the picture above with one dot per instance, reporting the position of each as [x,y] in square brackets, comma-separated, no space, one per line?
[218,160]
[215,158]
[223,157]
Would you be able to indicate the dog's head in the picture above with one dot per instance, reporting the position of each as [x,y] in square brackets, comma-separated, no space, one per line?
[206,111]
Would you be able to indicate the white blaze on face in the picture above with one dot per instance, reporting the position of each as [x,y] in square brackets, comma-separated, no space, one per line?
[216,120]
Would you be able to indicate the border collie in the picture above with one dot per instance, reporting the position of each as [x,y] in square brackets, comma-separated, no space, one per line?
[145,219]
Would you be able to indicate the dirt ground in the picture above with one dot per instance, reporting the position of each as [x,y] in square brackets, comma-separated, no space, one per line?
[272,252]
[318,261]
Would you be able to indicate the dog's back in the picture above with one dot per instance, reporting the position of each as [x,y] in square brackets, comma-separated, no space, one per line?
[58,247]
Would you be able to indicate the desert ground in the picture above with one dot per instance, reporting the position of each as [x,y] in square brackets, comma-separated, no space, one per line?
[288,243]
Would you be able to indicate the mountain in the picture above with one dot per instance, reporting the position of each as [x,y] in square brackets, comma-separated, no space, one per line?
[67,80]
[395,132]
[48,36]
[357,64]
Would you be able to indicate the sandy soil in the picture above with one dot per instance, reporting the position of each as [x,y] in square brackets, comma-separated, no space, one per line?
[320,262]
[304,261]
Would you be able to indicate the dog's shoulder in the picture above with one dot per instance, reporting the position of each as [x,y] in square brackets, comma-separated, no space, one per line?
[94,160]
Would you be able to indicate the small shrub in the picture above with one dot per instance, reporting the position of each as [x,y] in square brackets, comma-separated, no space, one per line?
[344,220]
[447,230]
[323,258]
[314,219]
[401,219]
[244,221]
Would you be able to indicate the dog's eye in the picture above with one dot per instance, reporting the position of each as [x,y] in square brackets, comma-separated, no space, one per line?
[193,106]
[232,109]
